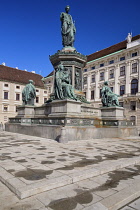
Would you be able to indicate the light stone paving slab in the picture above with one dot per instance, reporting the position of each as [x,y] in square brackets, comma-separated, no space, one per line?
[97,206]
[127,208]
[122,197]
[106,156]
[135,204]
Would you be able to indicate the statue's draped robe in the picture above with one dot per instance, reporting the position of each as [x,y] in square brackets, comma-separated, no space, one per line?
[67,29]
[63,88]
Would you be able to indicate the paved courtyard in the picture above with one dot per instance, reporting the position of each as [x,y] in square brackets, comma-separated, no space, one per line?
[38,173]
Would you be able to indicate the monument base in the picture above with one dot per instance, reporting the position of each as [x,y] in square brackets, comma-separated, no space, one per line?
[68,120]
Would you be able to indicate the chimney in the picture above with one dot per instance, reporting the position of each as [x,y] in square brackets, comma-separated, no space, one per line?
[33,72]
[3,64]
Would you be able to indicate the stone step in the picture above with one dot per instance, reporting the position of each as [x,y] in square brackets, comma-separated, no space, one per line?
[23,191]
[121,198]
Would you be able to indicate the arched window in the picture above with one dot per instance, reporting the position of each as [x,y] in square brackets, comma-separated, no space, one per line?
[134,86]
[133,119]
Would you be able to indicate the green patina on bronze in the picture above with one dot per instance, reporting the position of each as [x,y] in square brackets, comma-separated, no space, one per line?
[62,87]
[109,98]
[68,29]
[29,94]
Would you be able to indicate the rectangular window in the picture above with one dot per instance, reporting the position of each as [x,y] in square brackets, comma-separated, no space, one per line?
[45,99]
[17,87]
[45,92]
[37,99]
[93,78]
[122,58]
[122,90]
[102,64]
[17,97]
[93,67]
[134,67]
[5,95]
[5,85]
[85,80]
[37,90]
[122,70]
[134,54]
[133,105]
[92,94]
[112,61]
[121,104]
[85,70]
[111,73]
[5,108]
[101,76]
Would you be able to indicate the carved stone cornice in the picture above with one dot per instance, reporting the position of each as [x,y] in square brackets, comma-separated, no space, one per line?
[122,82]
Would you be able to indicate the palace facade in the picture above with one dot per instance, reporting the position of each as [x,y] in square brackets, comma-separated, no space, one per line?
[120,66]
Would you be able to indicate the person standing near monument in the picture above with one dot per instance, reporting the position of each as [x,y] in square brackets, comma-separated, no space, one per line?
[68,29]
[29,94]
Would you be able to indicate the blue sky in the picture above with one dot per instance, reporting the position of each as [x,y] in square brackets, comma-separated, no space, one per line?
[30,30]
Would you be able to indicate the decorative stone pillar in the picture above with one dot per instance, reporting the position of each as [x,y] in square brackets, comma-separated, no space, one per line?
[73,76]
[116,75]
[97,88]
[127,71]
[106,74]
[88,87]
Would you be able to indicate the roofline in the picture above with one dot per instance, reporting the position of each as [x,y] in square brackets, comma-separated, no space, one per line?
[106,56]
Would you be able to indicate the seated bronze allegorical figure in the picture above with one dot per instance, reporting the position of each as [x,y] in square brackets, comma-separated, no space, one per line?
[108,98]
[63,88]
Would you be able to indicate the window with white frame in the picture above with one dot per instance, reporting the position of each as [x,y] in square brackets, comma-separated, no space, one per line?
[17,97]
[122,58]
[111,73]
[6,95]
[45,99]
[112,61]
[133,119]
[134,54]
[37,99]
[5,108]
[101,76]
[122,70]
[92,94]
[122,90]
[93,78]
[6,85]
[134,67]
[133,105]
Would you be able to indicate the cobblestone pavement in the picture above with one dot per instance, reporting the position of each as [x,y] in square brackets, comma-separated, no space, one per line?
[38,173]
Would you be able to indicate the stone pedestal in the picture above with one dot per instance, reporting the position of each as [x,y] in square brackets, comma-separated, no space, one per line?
[63,108]
[25,111]
[74,62]
[112,113]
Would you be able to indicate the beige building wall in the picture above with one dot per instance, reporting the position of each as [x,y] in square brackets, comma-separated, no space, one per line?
[14,90]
